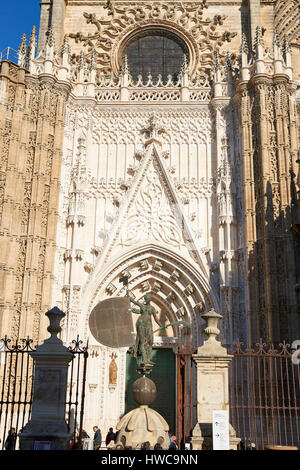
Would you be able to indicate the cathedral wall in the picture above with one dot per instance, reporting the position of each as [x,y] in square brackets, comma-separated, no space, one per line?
[108,161]
[103,152]
[31,131]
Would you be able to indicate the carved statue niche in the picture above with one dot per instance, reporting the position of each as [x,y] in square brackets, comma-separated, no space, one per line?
[113,372]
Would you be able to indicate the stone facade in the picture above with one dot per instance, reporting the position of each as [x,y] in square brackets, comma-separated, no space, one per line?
[189,186]
[32,126]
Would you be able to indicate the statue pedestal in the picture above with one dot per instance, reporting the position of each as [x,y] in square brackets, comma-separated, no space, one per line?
[143,424]
[140,425]
[47,423]
[212,363]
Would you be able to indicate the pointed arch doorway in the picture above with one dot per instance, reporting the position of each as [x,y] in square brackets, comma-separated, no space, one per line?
[179,289]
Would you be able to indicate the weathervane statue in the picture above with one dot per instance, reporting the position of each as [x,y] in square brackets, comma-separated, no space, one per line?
[144,330]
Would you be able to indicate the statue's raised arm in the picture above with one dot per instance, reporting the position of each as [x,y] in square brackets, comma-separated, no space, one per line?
[135,302]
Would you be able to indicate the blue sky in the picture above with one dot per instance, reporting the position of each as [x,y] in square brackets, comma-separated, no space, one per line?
[17,17]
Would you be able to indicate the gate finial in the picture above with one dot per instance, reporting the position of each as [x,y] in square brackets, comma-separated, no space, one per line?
[211,346]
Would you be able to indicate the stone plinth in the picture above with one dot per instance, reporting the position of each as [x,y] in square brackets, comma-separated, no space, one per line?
[212,363]
[140,425]
[143,424]
[50,384]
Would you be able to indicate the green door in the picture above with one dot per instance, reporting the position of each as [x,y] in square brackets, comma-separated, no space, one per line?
[163,375]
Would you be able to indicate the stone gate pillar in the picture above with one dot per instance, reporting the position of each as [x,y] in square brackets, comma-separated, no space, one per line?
[212,363]
[47,423]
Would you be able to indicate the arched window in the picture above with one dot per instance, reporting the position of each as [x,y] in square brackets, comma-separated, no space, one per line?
[156,53]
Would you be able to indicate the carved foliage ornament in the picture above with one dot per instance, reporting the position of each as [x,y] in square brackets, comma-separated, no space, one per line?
[151,216]
[123,24]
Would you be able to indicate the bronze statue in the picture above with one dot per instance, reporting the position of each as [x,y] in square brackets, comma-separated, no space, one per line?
[144,331]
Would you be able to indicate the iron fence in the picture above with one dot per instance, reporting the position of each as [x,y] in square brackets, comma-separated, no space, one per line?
[186,394]
[76,387]
[16,386]
[16,391]
[264,390]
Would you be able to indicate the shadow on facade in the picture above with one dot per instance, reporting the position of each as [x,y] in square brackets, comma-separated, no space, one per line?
[274,268]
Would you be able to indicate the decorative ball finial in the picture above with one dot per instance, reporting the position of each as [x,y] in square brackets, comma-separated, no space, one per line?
[144,391]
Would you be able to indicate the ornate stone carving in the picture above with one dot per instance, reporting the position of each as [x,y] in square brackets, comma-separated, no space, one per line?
[184,19]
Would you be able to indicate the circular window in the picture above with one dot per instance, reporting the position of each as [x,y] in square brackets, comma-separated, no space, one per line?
[156,53]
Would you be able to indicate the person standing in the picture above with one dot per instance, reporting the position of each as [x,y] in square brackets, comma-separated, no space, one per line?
[110,436]
[97,438]
[173,444]
[10,442]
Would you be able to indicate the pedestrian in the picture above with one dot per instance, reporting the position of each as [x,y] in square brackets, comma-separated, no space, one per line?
[158,446]
[10,442]
[146,446]
[173,444]
[82,435]
[97,438]
[75,442]
[110,436]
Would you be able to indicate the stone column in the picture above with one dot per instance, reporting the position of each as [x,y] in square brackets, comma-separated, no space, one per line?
[51,361]
[212,385]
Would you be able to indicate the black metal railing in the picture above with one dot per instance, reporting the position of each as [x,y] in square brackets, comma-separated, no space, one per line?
[76,387]
[16,385]
[17,381]
[264,387]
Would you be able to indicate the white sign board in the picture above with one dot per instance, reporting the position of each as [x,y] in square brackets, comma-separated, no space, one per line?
[42,445]
[220,430]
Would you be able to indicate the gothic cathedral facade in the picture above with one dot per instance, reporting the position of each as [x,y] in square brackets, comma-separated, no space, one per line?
[157,140]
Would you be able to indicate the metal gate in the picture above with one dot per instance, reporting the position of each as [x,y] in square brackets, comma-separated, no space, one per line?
[16,385]
[264,393]
[16,391]
[264,385]
[76,388]
[186,395]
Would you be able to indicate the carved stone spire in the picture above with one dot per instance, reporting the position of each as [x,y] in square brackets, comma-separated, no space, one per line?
[287,57]
[258,41]
[185,64]
[217,64]
[277,52]
[92,64]
[228,61]
[125,66]
[50,45]
[65,48]
[286,45]
[32,40]
[244,52]
[259,51]
[244,45]
[81,61]
[276,38]
[22,51]
[31,50]
[50,42]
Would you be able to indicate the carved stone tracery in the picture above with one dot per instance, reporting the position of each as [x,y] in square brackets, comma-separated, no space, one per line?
[125,23]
